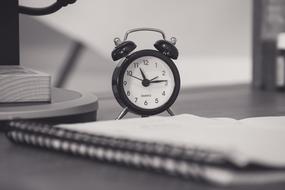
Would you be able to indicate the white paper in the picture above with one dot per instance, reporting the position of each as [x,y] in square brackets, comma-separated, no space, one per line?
[259,140]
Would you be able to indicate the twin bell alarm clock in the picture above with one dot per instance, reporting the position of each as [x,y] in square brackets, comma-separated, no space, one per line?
[145,82]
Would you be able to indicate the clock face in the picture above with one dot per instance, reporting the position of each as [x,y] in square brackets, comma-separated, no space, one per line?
[148,82]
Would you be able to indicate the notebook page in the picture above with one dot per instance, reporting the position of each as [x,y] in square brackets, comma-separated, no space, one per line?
[276,123]
[270,135]
[178,130]
[244,142]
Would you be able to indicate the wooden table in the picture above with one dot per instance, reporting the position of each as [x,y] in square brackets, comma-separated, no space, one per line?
[27,168]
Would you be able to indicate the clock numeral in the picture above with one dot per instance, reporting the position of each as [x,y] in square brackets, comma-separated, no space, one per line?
[125,83]
[136,65]
[166,83]
[155,65]
[128,93]
[163,73]
[145,62]
[163,93]
[136,99]
[130,73]
[145,103]
[156,100]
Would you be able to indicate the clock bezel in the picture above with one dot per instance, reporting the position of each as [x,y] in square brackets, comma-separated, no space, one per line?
[118,78]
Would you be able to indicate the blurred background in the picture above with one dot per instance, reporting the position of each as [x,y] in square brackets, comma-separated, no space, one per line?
[214,39]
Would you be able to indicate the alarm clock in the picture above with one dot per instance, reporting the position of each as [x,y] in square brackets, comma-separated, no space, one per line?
[145,82]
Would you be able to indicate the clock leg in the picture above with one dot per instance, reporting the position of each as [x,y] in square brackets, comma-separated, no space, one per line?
[171,113]
[122,114]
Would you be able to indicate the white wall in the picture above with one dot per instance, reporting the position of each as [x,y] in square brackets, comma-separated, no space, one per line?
[214,36]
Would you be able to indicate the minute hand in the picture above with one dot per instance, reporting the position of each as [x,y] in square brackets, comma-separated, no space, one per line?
[158,81]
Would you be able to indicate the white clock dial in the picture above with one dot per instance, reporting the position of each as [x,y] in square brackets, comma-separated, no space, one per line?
[148,82]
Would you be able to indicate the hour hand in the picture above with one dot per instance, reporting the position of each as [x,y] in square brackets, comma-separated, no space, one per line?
[154,78]
[143,75]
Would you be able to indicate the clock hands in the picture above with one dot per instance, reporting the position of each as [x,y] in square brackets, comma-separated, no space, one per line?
[145,81]
[135,77]
[154,78]
[158,81]
[143,75]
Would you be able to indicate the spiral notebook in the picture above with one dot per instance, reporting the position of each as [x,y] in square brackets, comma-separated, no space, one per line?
[220,150]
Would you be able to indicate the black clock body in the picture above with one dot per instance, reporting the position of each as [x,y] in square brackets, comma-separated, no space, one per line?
[118,82]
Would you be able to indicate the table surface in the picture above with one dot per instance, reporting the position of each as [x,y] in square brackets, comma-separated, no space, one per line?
[29,168]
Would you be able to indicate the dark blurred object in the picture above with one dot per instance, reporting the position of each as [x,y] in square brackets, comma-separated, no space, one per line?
[268,23]
[9,22]
[46,10]
[9,33]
